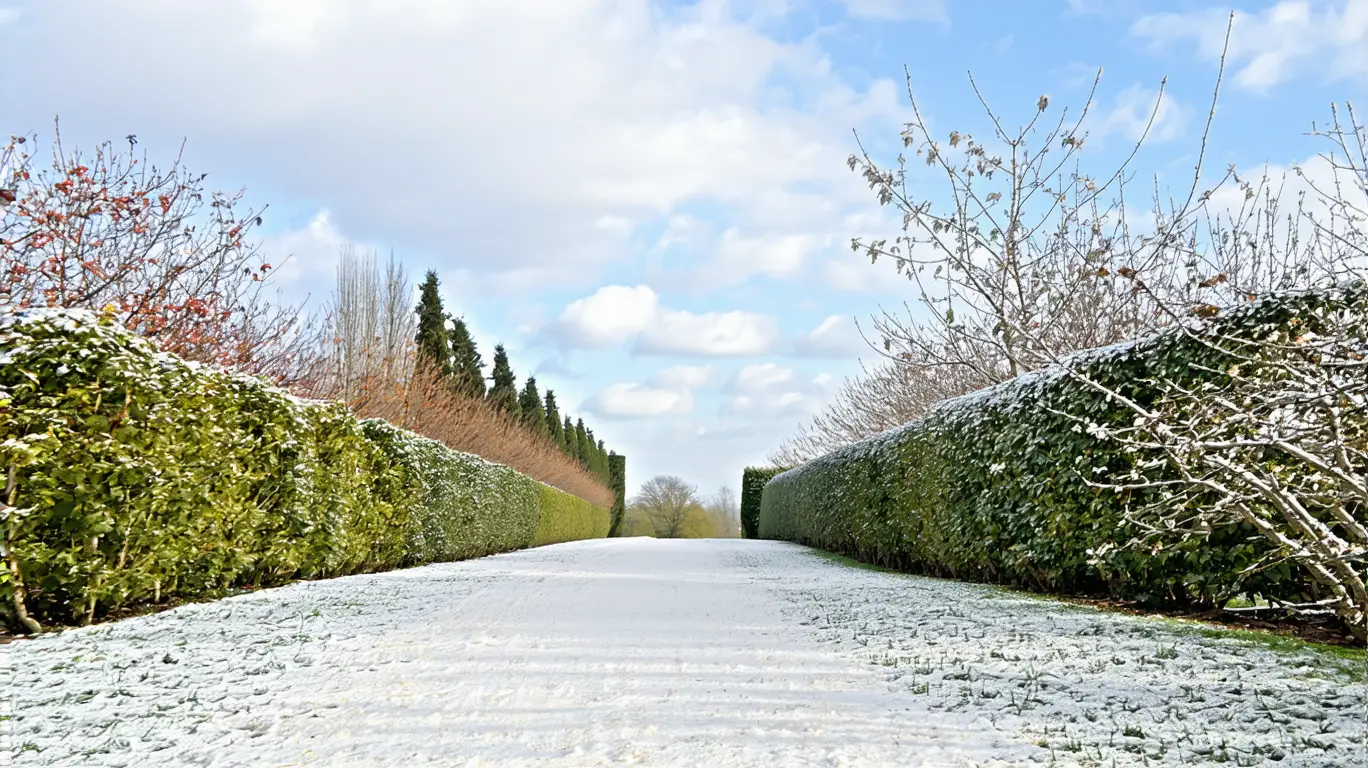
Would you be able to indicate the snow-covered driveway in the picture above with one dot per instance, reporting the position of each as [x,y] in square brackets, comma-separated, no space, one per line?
[689,653]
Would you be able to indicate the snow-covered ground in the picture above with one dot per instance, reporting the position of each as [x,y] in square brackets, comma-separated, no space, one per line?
[688,653]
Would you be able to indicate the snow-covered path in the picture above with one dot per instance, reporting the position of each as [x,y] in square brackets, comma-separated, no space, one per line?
[645,652]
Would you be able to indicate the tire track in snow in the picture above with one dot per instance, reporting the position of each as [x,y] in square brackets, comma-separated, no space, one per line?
[643,652]
[622,652]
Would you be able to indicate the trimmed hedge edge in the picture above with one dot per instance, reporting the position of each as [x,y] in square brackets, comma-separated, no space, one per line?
[987,487]
[133,476]
[753,480]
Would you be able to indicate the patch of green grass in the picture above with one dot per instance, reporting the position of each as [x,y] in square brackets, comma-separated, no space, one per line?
[1343,660]
[1336,660]
[832,557]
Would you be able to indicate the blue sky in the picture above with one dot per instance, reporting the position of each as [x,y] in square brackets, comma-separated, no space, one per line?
[647,203]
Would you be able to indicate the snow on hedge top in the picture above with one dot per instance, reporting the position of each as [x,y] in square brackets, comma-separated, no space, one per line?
[21,325]
[1014,392]
[82,332]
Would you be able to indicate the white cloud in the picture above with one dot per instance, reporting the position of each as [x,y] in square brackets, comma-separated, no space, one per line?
[1269,47]
[669,392]
[715,259]
[306,258]
[1296,191]
[770,391]
[758,377]
[1082,7]
[639,401]
[1132,111]
[851,271]
[773,255]
[613,314]
[835,337]
[686,377]
[709,334]
[9,15]
[615,224]
[898,10]
[431,119]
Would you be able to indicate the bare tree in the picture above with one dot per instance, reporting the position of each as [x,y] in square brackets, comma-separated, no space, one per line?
[666,500]
[373,327]
[152,248]
[1029,262]
[723,508]
[885,396]
[1278,438]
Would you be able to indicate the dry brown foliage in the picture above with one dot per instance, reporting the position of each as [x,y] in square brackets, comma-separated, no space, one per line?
[428,406]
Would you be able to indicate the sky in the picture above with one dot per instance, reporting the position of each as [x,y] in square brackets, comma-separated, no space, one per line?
[647,202]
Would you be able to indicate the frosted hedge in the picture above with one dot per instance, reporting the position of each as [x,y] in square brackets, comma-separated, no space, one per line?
[753,480]
[134,476]
[989,486]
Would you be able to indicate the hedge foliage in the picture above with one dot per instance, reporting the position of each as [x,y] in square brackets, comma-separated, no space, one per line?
[617,481]
[132,475]
[989,486]
[569,518]
[753,481]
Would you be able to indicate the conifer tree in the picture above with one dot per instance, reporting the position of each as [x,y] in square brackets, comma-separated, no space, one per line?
[581,451]
[553,420]
[595,456]
[504,392]
[432,343]
[571,443]
[467,369]
[530,408]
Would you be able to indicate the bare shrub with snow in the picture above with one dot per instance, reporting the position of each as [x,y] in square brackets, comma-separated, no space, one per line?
[1031,259]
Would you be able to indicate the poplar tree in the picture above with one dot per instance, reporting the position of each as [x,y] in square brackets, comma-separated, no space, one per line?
[581,451]
[530,409]
[467,368]
[553,420]
[504,392]
[432,343]
[571,442]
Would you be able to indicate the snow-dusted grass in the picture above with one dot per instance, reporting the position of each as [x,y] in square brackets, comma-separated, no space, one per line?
[690,653]
[1090,687]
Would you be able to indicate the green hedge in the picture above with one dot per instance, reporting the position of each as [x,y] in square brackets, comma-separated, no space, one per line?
[617,480]
[569,518]
[132,475]
[463,506]
[753,481]
[987,486]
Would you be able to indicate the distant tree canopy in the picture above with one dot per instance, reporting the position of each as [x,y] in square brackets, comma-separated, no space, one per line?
[666,501]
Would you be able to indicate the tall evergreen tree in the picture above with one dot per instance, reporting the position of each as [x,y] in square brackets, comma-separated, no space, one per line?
[571,444]
[593,451]
[581,451]
[504,392]
[431,340]
[530,408]
[603,462]
[467,368]
[553,420]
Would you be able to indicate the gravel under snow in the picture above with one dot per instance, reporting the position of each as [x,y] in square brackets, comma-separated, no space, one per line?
[690,653]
